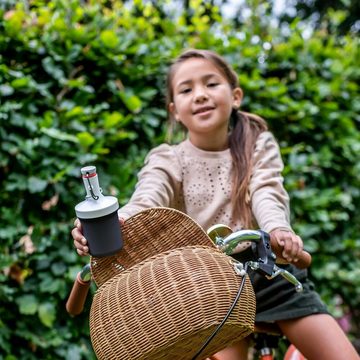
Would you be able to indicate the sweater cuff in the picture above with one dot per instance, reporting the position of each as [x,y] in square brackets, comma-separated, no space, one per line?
[283,228]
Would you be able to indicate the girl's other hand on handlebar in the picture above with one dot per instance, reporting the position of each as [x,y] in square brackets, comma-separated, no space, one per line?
[292,244]
[80,242]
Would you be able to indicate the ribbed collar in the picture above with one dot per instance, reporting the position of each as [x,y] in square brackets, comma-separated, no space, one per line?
[195,151]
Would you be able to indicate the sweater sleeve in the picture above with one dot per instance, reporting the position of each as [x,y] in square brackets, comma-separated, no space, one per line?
[268,197]
[158,182]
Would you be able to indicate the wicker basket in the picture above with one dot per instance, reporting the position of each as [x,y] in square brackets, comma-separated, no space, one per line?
[146,234]
[176,289]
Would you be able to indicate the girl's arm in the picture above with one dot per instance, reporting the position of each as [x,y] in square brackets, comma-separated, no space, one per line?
[268,197]
[158,185]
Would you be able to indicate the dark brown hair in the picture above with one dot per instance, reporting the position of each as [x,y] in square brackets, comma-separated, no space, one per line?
[245,129]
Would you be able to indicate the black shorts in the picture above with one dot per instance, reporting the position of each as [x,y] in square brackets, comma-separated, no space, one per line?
[277,299]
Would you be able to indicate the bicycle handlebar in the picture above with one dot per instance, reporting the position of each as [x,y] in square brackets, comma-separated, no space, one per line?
[229,243]
[264,254]
[76,301]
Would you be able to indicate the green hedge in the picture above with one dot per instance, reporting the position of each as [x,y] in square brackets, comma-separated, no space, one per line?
[83,83]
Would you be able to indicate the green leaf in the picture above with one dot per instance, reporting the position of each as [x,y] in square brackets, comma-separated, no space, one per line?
[112,119]
[36,184]
[74,112]
[51,285]
[47,313]
[20,83]
[6,90]
[109,38]
[85,138]
[14,21]
[58,268]
[58,134]
[132,102]
[10,357]
[28,304]
[53,69]
[74,352]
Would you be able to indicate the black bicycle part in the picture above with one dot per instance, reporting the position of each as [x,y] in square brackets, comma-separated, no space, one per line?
[260,252]
[266,343]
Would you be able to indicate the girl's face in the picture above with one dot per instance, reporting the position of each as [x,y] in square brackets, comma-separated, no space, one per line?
[203,101]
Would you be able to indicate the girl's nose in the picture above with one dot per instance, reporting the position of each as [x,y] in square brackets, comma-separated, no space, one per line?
[200,95]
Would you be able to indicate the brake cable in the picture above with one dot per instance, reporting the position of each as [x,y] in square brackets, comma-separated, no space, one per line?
[237,297]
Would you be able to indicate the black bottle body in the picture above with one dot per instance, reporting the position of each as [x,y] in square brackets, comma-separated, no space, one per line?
[103,234]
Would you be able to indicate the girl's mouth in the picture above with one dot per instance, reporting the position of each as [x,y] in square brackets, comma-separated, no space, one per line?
[203,110]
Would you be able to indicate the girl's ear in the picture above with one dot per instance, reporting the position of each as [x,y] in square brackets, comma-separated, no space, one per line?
[173,112]
[237,97]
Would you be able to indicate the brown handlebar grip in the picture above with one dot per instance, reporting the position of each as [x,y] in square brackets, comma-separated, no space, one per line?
[304,258]
[77,297]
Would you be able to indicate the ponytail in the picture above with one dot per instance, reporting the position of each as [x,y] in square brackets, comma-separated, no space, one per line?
[246,128]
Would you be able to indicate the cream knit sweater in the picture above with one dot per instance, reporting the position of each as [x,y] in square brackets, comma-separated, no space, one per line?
[198,183]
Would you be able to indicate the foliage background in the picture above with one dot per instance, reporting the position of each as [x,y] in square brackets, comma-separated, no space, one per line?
[83,83]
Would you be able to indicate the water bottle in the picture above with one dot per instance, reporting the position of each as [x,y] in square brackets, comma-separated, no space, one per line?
[98,217]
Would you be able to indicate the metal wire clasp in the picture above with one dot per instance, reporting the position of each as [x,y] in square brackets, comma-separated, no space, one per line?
[239,268]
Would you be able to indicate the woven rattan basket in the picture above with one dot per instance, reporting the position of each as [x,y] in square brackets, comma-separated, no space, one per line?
[168,303]
[146,234]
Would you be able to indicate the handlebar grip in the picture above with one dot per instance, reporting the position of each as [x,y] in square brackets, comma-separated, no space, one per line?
[77,297]
[304,258]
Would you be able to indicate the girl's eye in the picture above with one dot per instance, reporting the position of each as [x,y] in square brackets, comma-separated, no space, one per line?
[212,84]
[184,91]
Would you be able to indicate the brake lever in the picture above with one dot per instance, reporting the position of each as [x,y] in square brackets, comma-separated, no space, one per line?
[254,265]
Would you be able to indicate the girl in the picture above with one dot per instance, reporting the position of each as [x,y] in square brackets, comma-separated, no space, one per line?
[228,171]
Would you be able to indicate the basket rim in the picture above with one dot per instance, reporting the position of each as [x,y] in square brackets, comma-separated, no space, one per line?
[149,232]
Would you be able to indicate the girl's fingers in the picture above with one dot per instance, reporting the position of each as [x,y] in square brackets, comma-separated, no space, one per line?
[77,224]
[294,251]
[294,247]
[78,236]
[299,247]
[292,244]
[82,253]
[285,238]
[81,249]
[80,242]
[289,247]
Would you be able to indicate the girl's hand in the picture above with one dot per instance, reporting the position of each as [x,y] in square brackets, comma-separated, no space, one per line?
[80,242]
[291,243]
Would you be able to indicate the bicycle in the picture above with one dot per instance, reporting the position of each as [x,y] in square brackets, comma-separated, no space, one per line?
[107,271]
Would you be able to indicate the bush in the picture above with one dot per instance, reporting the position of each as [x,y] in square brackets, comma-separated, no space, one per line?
[83,83]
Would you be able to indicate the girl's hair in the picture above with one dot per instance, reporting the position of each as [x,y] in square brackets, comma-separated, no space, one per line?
[245,129]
